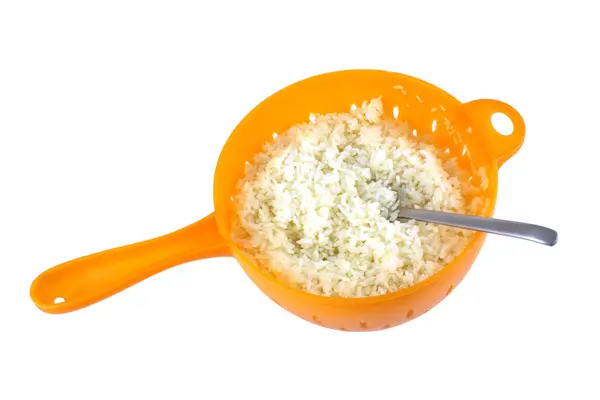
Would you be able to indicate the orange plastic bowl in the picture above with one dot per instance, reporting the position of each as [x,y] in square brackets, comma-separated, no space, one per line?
[462,129]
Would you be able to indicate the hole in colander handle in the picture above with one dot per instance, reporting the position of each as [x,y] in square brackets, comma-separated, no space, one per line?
[519,230]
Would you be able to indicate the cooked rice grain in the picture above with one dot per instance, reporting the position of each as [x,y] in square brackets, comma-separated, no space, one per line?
[313,206]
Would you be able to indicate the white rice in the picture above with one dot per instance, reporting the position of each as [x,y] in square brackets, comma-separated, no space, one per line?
[313,206]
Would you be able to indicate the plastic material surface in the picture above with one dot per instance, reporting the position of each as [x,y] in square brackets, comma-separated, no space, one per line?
[463,130]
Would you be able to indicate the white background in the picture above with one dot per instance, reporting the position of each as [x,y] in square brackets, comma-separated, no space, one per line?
[113,114]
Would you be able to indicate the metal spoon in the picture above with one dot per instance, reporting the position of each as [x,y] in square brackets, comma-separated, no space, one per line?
[519,230]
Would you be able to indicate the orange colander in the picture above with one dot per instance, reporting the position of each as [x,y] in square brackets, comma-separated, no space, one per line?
[461,130]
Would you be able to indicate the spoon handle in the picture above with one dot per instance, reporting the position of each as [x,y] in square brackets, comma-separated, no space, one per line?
[520,230]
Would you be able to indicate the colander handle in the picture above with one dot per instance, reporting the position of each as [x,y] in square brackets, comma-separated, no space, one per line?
[501,147]
[87,280]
